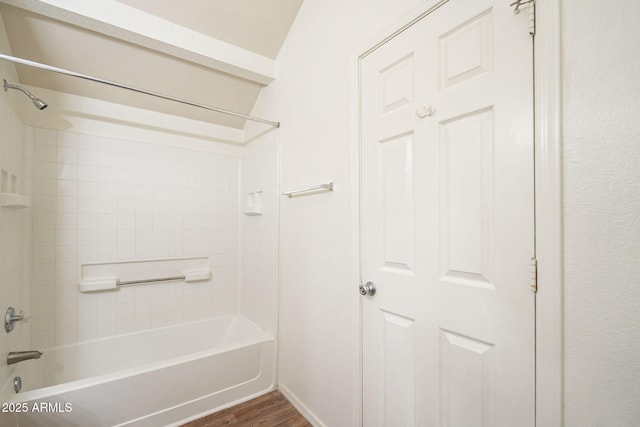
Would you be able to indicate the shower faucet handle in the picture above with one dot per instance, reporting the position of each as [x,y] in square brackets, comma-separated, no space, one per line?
[11,317]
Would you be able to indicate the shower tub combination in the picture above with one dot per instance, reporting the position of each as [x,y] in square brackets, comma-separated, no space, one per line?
[165,376]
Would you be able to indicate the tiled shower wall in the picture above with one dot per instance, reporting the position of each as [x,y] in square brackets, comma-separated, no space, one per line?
[259,290]
[98,199]
[14,227]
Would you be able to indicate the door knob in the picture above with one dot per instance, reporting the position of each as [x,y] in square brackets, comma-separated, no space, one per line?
[368,288]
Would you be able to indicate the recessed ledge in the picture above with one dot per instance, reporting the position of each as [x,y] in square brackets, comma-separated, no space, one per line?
[15,201]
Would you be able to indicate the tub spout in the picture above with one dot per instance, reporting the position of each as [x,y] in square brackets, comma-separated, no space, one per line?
[19,356]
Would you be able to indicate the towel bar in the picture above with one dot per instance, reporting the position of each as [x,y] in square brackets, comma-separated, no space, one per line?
[292,193]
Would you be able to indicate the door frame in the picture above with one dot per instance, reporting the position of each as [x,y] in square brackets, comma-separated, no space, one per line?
[548,198]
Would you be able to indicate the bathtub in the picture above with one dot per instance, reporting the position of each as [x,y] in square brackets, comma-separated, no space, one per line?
[160,377]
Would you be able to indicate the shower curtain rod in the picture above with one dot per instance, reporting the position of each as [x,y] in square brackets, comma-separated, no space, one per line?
[133,89]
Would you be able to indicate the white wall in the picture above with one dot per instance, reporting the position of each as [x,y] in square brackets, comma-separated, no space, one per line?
[312,97]
[601,149]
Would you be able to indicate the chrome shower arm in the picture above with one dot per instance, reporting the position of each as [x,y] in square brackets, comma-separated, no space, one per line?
[8,85]
[39,103]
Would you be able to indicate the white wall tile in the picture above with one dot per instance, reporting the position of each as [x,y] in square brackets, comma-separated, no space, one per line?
[66,237]
[87,316]
[108,160]
[43,169]
[101,199]
[88,204]
[88,157]
[88,173]
[126,206]
[66,336]
[107,252]
[67,188]
[68,171]
[67,204]
[67,155]
[126,251]
[88,253]
[43,255]
[43,289]
[43,220]
[109,145]
[44,237]
[67,140]
[144,251]
[88,236]
[44,153]
[66,270]
[67,221]
[87,331]
[66,253]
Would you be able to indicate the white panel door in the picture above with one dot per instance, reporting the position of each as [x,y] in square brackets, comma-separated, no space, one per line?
[447,221]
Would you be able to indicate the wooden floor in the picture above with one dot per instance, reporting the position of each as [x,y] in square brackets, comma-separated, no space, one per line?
[270,410]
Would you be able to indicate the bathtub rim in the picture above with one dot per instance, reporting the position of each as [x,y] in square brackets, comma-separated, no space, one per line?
[9,396]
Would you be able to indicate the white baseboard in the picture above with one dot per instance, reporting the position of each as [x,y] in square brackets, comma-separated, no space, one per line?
[301,407]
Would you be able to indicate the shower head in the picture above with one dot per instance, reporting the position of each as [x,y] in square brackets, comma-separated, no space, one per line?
[39,103]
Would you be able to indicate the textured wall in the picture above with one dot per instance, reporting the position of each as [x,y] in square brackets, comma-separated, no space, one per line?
[313,98]
[601,60]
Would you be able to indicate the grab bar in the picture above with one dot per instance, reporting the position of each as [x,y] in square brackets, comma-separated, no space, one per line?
[113,283]
[140,281]
[291,193]
[189,276]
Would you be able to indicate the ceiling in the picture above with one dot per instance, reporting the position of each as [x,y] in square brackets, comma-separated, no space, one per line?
[214,52]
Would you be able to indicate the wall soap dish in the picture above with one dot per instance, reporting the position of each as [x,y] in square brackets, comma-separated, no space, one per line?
[254,204]
[14,201]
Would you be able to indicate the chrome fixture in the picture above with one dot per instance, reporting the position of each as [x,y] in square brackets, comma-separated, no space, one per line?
[368,288]
[39,103]
[11,317]
[520,3]
[133,89]
[19,356]
[17,384]
[291,193]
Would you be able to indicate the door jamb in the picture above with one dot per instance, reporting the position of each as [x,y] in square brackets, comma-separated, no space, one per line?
[548,214]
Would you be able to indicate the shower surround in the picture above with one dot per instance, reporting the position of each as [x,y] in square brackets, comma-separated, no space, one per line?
[109,184]
[98,199]
[112,201]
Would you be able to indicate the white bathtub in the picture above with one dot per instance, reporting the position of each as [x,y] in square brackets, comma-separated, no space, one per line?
[161,377]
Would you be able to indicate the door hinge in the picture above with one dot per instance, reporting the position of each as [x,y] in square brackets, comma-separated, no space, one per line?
[518,6]
[533,268]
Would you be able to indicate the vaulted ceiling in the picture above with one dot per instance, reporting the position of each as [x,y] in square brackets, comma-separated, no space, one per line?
[214,52]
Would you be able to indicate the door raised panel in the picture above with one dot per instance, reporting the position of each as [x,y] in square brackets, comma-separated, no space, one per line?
[396,85]
[399,369]
[465,51]
[466,169]
[396,181]
[465,380]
